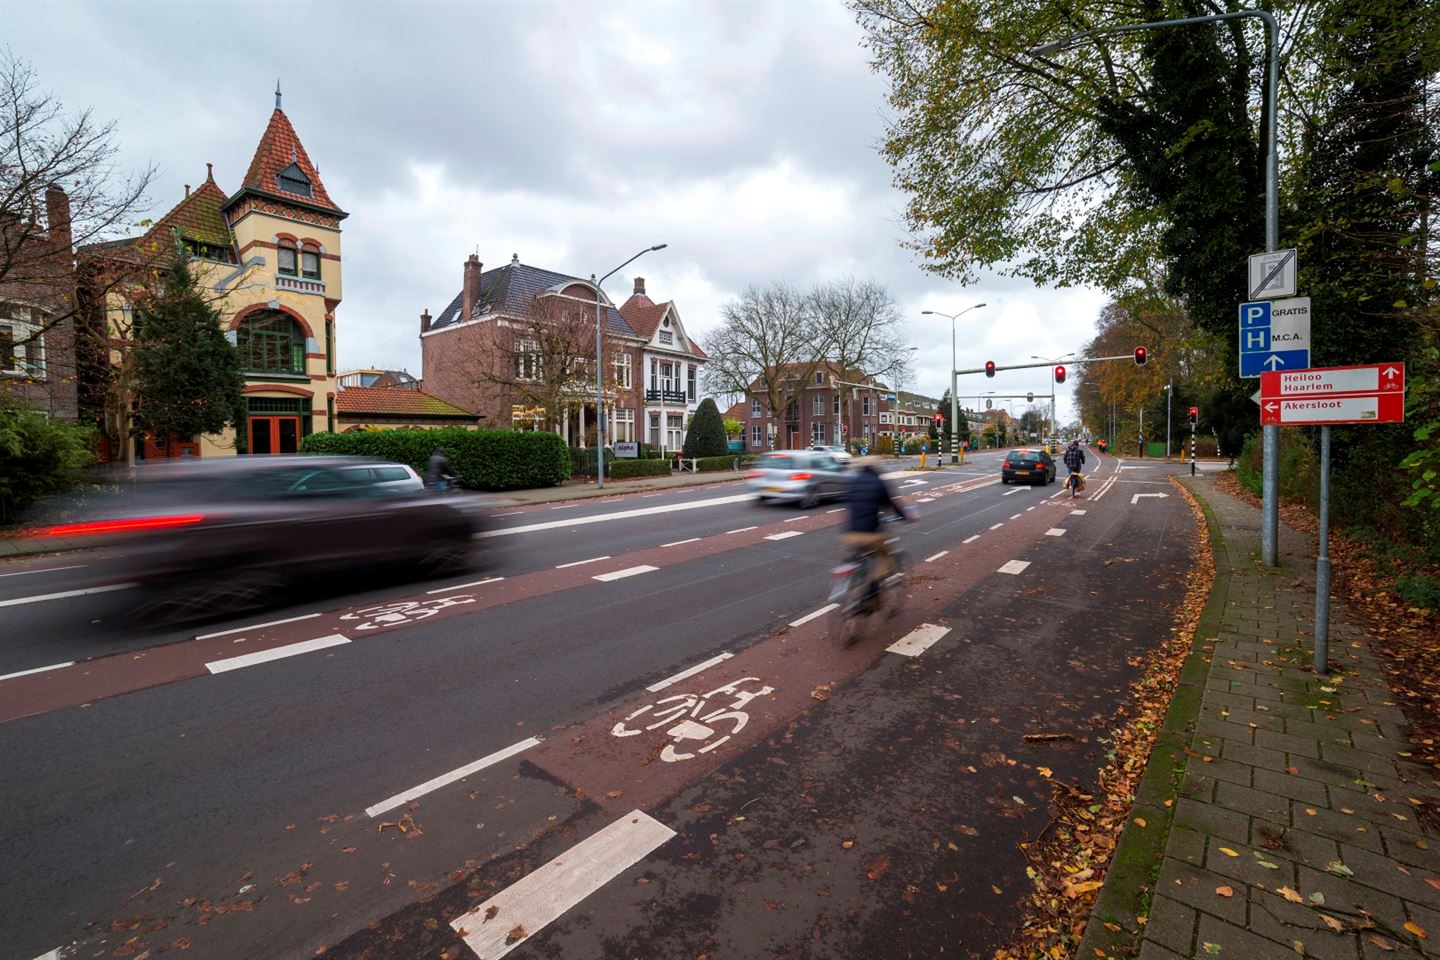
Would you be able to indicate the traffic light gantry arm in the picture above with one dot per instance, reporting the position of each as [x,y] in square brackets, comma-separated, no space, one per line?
[1031,366]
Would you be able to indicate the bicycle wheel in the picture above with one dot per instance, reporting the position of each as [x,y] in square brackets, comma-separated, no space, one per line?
[899,570]
[855,607]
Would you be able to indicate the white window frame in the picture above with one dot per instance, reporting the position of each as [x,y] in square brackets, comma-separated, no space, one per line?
[757,439]
[24,322]
[755,410]
[817,405]
[667,339]
[674,430]
[527,360]
[817,432]
[623,430]
[837,403]
[865,405]
[690,382]
[623,375]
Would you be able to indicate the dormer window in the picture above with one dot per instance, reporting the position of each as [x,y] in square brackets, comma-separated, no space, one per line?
[667,338]
[293,180]
[287,259]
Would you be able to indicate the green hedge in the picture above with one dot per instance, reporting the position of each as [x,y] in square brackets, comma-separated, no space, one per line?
[626,468]
[708,464]
[482,459]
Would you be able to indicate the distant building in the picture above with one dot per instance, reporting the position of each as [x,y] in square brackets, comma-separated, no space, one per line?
[269,254]
[399,379]
[37,310]
[390,408]
[818,405]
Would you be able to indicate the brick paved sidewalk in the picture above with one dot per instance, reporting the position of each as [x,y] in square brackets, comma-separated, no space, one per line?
[1296,787]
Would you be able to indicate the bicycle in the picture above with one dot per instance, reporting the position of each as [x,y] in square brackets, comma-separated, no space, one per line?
[859,595]
[1076,483]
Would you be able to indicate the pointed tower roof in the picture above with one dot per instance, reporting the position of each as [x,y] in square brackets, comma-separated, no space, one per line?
[281,169]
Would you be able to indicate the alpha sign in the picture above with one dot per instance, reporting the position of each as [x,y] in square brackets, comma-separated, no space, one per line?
[1274,335]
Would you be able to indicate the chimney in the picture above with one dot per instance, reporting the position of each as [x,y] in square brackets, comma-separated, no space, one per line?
[57,212]
[425,321]
[639,286]
[187,191]
[470,293]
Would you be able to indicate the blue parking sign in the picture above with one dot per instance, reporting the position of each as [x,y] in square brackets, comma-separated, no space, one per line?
[1274,335]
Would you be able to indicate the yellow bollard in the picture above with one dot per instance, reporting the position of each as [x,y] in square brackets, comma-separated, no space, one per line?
[922,459]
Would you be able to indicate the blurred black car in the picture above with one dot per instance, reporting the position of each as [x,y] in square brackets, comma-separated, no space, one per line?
[207,537]
[1027,466]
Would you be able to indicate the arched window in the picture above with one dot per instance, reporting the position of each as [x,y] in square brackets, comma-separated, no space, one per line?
[271,342]
[287,258]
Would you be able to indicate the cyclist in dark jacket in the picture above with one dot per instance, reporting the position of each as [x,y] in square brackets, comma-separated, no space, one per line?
[868,496]
[437,470]
[1074,459]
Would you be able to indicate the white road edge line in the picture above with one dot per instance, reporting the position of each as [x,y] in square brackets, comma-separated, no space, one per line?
[617,515]
[1016,517]
[21,573]
[998,525]
[814,614]
[577,563]
[1055,532]
[462,586]
[276,653]
[835,510]
[1014,566]
[685,674]
[67,593]
[445,779]
[919,640]
[786,535]
[937,556]
[971,539]
[544,895]
[26,673]
[622,574]
[742,530]
[255,626]
[676,543]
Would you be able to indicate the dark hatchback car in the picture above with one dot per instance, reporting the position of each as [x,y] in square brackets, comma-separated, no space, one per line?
[208,537]
[1027,466]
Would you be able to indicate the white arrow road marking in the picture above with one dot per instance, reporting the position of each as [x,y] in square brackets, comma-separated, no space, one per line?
[543,896]
[1136,498]
[917,641]
[459,773]
[622,574]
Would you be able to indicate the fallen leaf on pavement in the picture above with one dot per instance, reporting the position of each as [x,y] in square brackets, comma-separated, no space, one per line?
[1416,929]
[515,935]
[1381,942]
[1292,895]
[1140,822]
[490,914]
[1228,852]
[878,867]
[1332,923]
[1044,771]
[1078,889]
[1225,891]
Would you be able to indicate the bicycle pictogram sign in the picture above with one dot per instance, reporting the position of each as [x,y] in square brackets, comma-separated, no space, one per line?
[693,719]
[403,611]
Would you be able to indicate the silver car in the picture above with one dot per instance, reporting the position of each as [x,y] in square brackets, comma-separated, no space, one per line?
[841,455]
[799,476]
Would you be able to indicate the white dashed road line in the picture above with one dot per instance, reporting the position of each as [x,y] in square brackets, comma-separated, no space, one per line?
[926,500]
[1014,566]
[683,674]
[1011,493]
[577,563]
[741,530]
[1016,517]
[464,586]
[814,614]
[617,515]
[998,525]
[971,539]
[786,535]
[278,653]
[255,626]
[526,907]
[622,574]
[66,593]
[835,510]
[1055,532]
[445,779]
[937,556]
[917,641]
[676,543]
[22,573]
[24,673]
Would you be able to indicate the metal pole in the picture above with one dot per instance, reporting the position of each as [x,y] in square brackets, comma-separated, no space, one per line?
[599,400]
[1142,432]
[1192,449]
[1169,392]
[1322,561]
[954,400]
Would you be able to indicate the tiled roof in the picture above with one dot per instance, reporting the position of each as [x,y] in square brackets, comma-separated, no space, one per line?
[198,216]
[394,401]
[512,289]
[739,410]
[278,148]
[645,315]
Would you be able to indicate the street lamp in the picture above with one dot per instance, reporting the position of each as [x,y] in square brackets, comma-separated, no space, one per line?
[954,402]
[600,372]
[1067,356]
[1270,484]
[1169,389]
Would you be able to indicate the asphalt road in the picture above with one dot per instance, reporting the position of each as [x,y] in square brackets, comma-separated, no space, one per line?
[229,814]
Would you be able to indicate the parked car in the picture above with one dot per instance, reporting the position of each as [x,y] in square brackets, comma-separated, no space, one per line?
[1027,466]
[835,450]
[207,537]
[799,476]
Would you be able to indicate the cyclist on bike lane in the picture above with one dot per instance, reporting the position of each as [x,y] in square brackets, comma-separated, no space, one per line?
[1074,459]
[868,496]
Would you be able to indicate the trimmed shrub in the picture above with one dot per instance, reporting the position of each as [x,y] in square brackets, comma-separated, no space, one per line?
[627,469]
[482,459]
[706,436]
[710,464]
[38,456]
[884,446]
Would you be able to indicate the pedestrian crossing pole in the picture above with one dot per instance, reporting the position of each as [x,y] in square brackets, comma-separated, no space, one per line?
[1194,415]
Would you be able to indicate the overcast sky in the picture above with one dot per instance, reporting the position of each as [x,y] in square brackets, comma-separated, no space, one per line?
[744,135]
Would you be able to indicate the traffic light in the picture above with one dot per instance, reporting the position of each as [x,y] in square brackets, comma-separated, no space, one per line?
[1030,398]
[989,368]
[1060,374]
[1194,414]
[939,418]
[1141,356]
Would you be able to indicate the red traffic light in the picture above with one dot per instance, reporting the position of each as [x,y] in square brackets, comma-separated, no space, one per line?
[989,368]
[939,419]
[1194,413]
[1059,374]
[1141,355]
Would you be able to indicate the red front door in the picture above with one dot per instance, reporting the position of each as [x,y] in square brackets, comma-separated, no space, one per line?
[274,434]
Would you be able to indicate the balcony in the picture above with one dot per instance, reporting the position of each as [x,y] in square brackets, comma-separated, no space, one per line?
[666,396]
[299,285]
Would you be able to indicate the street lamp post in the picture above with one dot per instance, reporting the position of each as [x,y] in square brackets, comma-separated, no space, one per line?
[1169,392]
[954,402]
[1270,485]
[600,372]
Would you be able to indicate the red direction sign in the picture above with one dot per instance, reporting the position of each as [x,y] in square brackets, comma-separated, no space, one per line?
[1372,393]
[1334,381]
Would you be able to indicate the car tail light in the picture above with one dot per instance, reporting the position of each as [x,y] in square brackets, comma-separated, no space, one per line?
[802,475]
[1008,465]
[90,527]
